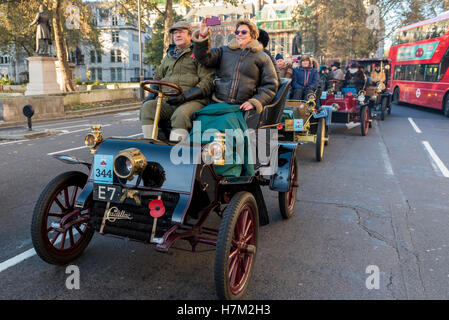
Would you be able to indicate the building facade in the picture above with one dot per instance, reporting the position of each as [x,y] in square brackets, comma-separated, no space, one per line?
[118,61]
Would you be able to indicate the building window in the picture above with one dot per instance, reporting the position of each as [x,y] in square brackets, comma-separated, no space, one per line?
[115,36]
[98,56]
[136,72]
[92,56]
[100,74]
[135,57]
[114,20]
[135,38]
[112,74]
[116,56]
[119,74]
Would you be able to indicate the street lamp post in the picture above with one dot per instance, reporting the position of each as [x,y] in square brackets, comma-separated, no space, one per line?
[142,96]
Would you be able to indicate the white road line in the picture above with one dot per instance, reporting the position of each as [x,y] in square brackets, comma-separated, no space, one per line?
[61,151]
[436,159]
[417,129]
[58,123]
[27,254]
[17,259]
[56,152]
[384,153]
[10,142]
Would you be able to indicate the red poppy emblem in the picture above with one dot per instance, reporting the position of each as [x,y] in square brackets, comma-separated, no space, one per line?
[280,126]
[157,208]
[419,53]
[192,56]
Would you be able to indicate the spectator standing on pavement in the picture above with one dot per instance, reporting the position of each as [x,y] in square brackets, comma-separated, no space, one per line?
[305,79]
[285,68]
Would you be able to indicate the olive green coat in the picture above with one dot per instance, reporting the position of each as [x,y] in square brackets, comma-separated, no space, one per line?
[186,72]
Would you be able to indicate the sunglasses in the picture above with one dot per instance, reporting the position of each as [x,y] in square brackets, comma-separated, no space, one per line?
[237,32]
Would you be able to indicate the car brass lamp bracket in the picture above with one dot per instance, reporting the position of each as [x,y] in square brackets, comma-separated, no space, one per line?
[94,139]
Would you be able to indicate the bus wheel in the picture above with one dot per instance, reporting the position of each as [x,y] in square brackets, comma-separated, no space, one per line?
[446,105]
[396,96]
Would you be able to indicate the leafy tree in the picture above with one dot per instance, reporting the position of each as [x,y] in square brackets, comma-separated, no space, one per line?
[18,14]
[154,49]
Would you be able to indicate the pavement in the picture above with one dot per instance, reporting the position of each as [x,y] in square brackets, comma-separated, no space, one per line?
[18,130]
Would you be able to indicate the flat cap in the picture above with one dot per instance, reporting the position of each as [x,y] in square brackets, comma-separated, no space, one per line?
[181,25]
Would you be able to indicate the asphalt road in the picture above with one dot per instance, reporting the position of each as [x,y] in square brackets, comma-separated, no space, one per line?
[380,200]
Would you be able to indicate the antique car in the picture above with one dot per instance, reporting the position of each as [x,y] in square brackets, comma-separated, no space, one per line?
[379,99]
[350,106]
[302,122]
[135,191]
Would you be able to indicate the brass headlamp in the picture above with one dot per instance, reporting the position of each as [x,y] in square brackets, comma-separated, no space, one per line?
[94,139]
[214,152]
[129,162]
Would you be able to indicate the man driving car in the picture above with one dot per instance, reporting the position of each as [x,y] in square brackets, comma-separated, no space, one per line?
[179,67]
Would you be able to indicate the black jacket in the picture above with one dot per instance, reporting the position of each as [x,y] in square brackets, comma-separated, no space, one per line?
[241,75]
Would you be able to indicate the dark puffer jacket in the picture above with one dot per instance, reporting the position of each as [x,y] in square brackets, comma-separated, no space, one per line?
[241,75]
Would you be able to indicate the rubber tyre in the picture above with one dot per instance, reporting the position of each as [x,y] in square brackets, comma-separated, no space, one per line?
[287,200]
[41,242]
[383,108]
[396,96]
[364,120]
[446,105]
[320,137]
[227,234]
[326,143]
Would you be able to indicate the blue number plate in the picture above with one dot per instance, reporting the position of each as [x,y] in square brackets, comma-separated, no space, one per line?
[298,125]
[103,171]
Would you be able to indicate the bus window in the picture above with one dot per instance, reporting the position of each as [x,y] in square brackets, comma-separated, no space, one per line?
[432,71]
[410,72]
[444,65]
[420,69]
[399,72]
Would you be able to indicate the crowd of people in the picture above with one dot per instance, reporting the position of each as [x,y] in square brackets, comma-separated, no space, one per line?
[240,76]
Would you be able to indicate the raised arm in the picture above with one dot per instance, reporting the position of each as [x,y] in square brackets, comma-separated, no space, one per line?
[201,47]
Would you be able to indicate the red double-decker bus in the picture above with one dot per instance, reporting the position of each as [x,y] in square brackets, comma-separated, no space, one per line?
[420,60]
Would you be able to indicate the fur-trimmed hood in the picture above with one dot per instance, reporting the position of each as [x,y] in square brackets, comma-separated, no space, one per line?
[253,45]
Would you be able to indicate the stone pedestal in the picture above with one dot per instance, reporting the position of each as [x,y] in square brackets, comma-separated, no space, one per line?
[59,74]
[43,79]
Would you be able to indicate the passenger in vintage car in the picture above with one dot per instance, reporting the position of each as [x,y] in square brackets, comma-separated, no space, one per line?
[180,67]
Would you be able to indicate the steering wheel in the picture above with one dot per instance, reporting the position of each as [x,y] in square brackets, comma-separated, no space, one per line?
[145,86]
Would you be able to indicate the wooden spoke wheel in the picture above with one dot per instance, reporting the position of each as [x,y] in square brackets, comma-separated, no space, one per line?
[320,139]
[236,246]
[59,232]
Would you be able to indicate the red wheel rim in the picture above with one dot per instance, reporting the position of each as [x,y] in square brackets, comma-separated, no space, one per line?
[291,195]
[243,249]
[61,211]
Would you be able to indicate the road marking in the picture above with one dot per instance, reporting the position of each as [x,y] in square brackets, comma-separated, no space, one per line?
[384,153]
[27,254]
[417,129]
[436,159]
[58,123]
[56,152]
[17,259]
[10,142]
[77,148]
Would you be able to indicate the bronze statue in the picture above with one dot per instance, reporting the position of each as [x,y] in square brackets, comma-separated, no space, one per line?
[43,31]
